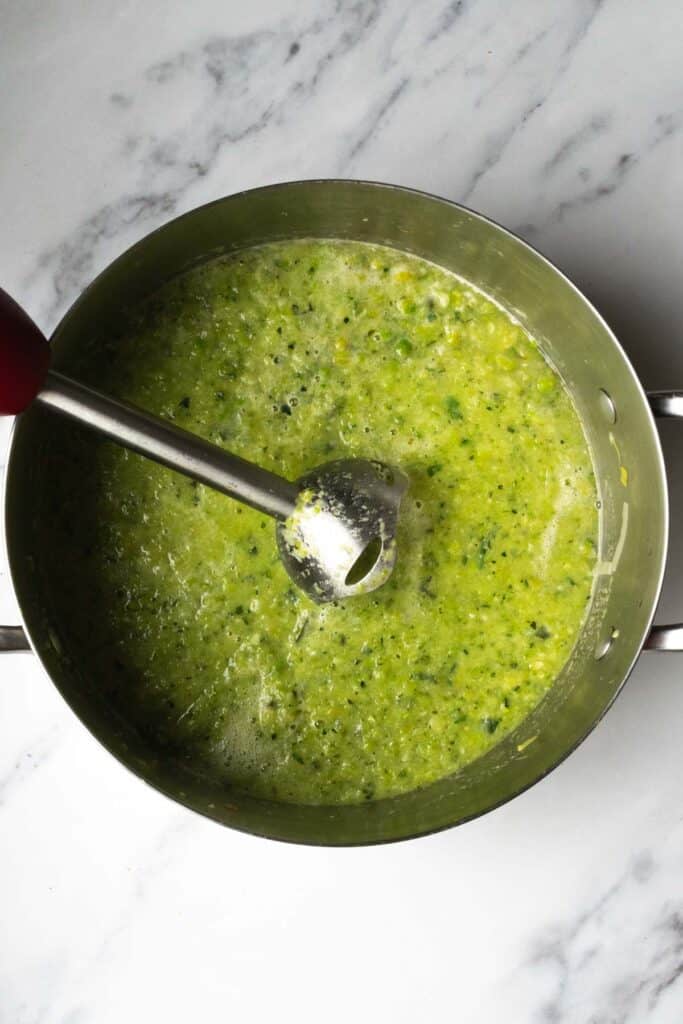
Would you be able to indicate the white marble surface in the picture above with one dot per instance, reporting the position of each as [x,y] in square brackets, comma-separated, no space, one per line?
[563,120]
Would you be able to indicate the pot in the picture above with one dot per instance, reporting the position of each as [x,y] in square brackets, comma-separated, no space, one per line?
[618,420]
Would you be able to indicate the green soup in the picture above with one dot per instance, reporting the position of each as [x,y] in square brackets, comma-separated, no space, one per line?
[174,596]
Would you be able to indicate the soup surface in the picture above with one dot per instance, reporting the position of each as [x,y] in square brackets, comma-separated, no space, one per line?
[293,354]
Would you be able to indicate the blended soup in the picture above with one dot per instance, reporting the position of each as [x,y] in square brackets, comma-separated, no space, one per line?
[292,354]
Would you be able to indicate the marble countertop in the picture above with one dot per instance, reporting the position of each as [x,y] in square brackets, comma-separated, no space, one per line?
[563,121]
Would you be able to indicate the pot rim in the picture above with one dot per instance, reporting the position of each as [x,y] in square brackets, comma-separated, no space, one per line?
[379,185]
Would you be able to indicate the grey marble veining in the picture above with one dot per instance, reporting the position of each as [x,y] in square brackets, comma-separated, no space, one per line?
[621,957]
[563,121]
[261,89]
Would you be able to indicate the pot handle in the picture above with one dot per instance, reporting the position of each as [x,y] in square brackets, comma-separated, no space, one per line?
[666,638]
[13,638]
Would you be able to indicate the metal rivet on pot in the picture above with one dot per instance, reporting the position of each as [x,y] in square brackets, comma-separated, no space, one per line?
[602,649]
[607,406]
[605,645]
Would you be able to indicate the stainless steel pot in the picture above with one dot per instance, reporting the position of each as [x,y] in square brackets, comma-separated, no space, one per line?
[618,418]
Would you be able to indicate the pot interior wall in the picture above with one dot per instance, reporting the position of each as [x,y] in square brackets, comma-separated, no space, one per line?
[626,453]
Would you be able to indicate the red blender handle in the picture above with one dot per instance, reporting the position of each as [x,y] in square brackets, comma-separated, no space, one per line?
[24,357]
